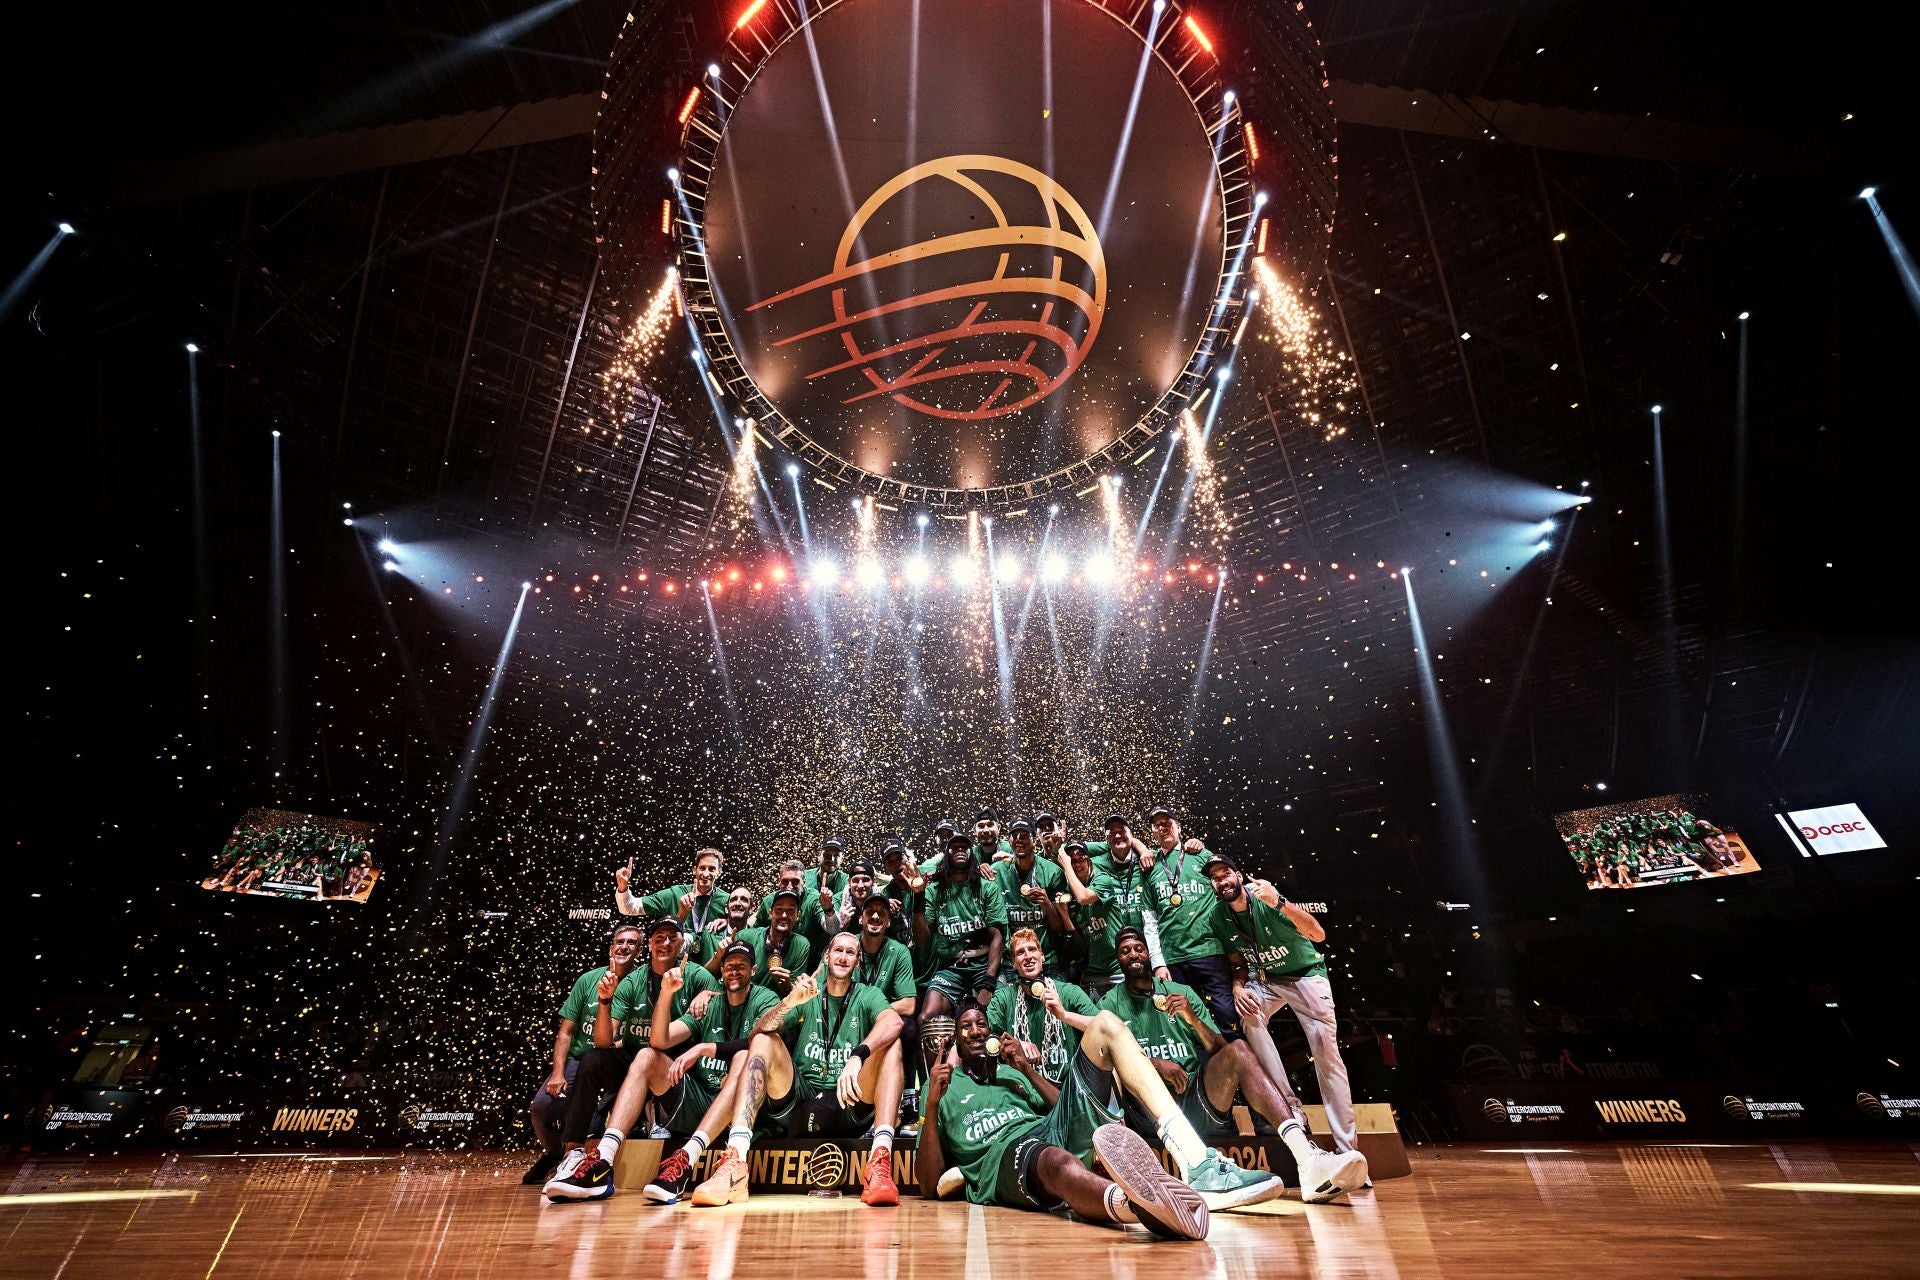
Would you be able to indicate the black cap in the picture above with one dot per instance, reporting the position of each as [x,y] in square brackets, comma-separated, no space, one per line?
[1021,825]
[1071,845]
[833,842]
[986,814]
[958,840]
[784,893]
[876,899]
[1161,811]
[856,865]
[1220,858]
[946,827]
[1128,931]
[662,922]
[1044,819]
[894,846]
[737,949]
[1119,819]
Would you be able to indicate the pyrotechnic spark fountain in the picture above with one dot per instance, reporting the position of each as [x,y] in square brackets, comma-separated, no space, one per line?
[1209,508]
[1320,379]
[640,346]
[745,477]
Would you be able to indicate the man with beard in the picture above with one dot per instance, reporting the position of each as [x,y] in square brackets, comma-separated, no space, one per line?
[1045,1014]
[1276,966]
[778,951]
[1204,1070]
[1019,1140]
[1178,909]
[570,1044]
[715,938]
[1115,895]
[962,927]
[694,903]
[885,963]
[622,1025]
[834,1042]
[820,887]
[1028,885]
[844,913]
[896,882]
[687,1089]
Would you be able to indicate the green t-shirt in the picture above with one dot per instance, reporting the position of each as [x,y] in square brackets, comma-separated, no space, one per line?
[666,902]
[721,1023]
[979,1121]
[634,998]
[807,923]
[579,1007]
[891,972]
[813,922]
[794,960]
[958,916]
[1186,928]
[1121,893]
[830,1026]
[1017,1011]
[1161,1034]
[1022,914]
[1267,941]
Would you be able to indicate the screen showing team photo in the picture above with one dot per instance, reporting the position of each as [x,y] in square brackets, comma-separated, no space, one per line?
[280,854]
[1662,840]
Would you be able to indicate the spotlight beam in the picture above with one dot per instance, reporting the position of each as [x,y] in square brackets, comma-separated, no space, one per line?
[1206,656]
[277,620]
[462,788]
[1896,248]
[20,283]
[720,665]
[1461,849]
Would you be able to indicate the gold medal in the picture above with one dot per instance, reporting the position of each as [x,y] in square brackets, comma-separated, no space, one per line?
[1160,1000]
[1173,900]
[1039,990]
[993,1046]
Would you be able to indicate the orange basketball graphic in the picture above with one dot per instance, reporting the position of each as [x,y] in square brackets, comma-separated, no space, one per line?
[969,322]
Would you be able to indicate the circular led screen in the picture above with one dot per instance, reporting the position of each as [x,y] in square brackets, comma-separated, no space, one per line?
[964,244]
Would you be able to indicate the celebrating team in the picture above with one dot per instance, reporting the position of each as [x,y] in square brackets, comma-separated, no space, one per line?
[1061,1000]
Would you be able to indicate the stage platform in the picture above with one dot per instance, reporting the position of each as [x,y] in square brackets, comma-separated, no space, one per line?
[1672,1209]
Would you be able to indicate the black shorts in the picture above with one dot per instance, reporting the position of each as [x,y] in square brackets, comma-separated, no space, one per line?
[810,1112]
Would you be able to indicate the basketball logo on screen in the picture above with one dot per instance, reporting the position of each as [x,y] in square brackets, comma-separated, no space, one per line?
[1736,1107]
[989,312]
[1494,1110]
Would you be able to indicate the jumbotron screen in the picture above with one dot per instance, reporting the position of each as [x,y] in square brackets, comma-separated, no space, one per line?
[1662,840]
[278,853]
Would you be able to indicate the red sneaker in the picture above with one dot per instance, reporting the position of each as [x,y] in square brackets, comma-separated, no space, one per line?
[880,1189]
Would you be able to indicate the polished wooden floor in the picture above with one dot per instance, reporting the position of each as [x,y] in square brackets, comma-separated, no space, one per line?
[1800,1210]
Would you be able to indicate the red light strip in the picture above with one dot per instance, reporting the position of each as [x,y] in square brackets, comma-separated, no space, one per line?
[1253,144]
[1193,29]
[686,107]
[753,11]
[666,217]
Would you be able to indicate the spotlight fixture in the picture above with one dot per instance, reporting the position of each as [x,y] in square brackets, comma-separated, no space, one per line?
[193,348]
[868,574]
[1053,568]
[66,228]
[1053,509]
[713,69]
[1585,483]
[1599,786]
[391,566]
[1656,408]
[673,176]
[526,586]
[387,547]
[1006,568]
[923,519]
[1259,197]
[963,570]
[1099,569]
[793,471]
[1866,193]
[1548,526]
[825,573]
[1542,545]
[1405,570]
[276,435]
[1745,314]
[1226,371]
[348,522]
[1228,97]
[917,571]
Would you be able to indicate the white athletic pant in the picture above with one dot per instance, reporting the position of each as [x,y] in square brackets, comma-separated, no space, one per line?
[1311,1000]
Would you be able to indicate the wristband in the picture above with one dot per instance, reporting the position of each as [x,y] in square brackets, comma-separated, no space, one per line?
[861,1051]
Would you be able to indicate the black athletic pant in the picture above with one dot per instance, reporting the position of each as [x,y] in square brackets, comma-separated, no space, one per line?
[1212,977]
[602,1071]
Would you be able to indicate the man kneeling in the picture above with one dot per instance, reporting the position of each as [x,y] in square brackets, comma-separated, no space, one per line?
[1018,1140]
[822,1044]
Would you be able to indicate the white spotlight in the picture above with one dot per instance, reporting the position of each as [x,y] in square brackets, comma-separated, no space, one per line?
[1745,314]
[1543,545]
[387,547]
[193,348]
[1053,568]
[66,228]
[868,574]
[1405,569]
[986,522]
[525,587]
[348,522]
[916,571]
[1228,97]
[1866,193]
[1053,509]
[673,176]
[1656,408]
[923,519]
[391,567]
[825,573]
[1100,569]
[276,435]
[1547,526]
[1226,371]
[1259,197]
[963,570]
[1006,568]
[793,471]
[713,69]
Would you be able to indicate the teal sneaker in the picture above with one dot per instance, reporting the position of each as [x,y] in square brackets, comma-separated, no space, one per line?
[1225,1185]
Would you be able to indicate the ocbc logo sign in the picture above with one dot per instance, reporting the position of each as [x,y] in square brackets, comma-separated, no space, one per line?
[1837,829]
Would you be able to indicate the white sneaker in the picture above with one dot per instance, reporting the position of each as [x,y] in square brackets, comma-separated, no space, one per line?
[569,1165]
[1330,1173]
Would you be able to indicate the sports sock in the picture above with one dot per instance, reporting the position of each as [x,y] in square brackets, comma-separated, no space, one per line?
[695,1147]
[1294,1134]
[740,1141]
[1117,1207]
[610,1144]
[1177,1136]
[883,1137]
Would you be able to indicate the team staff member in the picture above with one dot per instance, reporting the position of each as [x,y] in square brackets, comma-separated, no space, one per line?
[1028,885]
[1177,911]
[844,1045]
[1276,966]
[569,1046]
[1204,1070]
[1045,1014]
[622,1023]
[715,938]
[683,1088]
[693,903]
[778,951]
